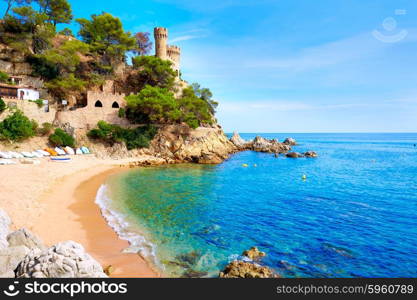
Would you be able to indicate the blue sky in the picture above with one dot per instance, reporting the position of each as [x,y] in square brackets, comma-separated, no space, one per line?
[291,65]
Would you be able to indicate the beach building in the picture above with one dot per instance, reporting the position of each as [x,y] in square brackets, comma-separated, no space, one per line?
[18,92]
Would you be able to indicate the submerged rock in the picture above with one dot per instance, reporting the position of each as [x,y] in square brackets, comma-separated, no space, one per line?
[310,154]
[64,260]
[189,259]
[254,253]
[193,274]
[294,155]
[290,141]
[241,269]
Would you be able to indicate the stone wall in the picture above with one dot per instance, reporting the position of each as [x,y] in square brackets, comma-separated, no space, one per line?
[31,110]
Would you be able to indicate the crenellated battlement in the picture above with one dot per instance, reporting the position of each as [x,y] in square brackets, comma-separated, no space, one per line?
[165,51]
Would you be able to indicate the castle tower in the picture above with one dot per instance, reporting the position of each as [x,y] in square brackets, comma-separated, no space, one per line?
[161,38]
[174,54]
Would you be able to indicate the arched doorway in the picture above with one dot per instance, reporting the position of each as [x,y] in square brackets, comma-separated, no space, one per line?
[98,104]
[115,105]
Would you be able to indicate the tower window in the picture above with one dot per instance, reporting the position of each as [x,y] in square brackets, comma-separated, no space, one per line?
[98,104]
[115,105]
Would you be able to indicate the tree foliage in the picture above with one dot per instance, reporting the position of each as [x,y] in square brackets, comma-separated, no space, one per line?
[2,105]
[158,105]
[61,139]
[17,127]
[153,71]
[139,137]
[206,95]
[143,43]
[106,36]
[57,11]
[4,77]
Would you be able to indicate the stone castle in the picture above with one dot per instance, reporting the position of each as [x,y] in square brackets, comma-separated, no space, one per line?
[165,51]
[101,103]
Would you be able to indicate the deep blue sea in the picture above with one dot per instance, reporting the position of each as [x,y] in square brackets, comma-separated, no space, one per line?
[354,216]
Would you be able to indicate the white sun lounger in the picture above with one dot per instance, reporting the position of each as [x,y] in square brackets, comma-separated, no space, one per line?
[5,155]
[7,162]
[27,154]
[44,153]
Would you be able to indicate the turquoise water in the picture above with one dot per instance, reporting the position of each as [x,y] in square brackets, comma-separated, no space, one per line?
[354,216]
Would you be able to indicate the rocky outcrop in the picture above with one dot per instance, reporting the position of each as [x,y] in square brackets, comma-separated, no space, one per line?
[254,253]
[311,154]
[242,269]
[10,258]
[179,143]
[290,142]
[261,144]
[294,155]
[64,260]
[240,143]
[24,237]
[248,269]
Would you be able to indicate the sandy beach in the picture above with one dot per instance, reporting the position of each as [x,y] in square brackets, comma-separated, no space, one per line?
[56,202]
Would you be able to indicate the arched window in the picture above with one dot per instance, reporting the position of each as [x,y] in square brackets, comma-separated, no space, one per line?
[98,104]
[115,105]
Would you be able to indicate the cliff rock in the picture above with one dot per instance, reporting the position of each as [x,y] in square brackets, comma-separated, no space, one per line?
[294,155]
[64,260]
[10,259]
[310,154]
[240,143]
[179,143]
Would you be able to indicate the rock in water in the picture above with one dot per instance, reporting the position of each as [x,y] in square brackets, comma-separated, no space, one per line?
[310,154]
[24,237]
[4,228]
[294,155]
[238,141]
[290,142]
[64,260]
[241,269]
[254,253]
[261,144]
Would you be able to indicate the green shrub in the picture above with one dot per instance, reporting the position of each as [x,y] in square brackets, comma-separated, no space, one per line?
[4,77]
[122,112]
[139,137]
[17,127]
[61,139]
[38,102]
[3,105]
[46,129]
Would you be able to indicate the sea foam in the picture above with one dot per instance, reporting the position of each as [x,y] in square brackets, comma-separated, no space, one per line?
[124,229]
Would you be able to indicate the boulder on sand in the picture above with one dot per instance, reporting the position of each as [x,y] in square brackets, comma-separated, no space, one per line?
[64,260]
[24,237]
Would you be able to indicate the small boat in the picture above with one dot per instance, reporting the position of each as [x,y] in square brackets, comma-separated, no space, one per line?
[60,159]
[85,150]
[27,154]
[69,150]
[78,151]
[26,161]
[60,151]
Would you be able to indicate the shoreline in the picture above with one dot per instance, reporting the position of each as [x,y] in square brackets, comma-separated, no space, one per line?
[59,205]
[89,227]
